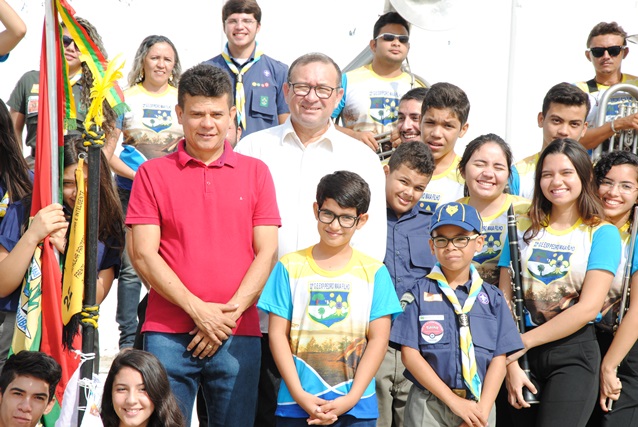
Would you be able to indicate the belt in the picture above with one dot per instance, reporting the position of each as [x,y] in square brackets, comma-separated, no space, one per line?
[460,392]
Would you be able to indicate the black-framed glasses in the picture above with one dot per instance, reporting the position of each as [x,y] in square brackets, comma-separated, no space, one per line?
[66,40]
[598,52]
[303,89]
[623,187]
[389,37]
[345,221]
[458,241]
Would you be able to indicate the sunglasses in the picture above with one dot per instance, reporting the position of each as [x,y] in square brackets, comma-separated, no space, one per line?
[389,37]
[66,40]
[598,52]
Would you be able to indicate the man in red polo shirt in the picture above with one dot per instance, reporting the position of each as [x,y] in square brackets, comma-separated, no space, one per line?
[204,224]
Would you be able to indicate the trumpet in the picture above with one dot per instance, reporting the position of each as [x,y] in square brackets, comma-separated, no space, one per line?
[626,282]
[517,285]
[626,140]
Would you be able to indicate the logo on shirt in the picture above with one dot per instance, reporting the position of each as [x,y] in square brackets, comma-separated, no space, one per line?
[329,302]
[157,119]
[384,110]
[547,265]
[432,332]
[263,101]
[492,247]
[483,298]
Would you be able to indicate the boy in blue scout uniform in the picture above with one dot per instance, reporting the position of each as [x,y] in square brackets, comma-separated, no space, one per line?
[456,331]
[407,258]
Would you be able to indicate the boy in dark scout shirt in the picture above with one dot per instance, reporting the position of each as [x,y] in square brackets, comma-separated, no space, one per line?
[407,258]
[456,333]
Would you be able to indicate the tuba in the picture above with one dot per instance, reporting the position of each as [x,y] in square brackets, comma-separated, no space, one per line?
[626,140]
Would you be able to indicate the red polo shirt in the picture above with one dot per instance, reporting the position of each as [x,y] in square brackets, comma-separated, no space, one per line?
[206,215]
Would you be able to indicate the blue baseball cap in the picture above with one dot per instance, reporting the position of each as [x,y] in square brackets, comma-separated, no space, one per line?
[464,216]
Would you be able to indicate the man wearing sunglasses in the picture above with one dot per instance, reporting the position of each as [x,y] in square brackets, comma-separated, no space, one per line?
[370,104]
[606,49]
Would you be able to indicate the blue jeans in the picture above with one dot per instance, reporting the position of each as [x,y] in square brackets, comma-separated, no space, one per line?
[342,421]
[128,290]
[229,379]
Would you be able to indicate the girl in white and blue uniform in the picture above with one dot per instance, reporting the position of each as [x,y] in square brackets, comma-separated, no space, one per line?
[617,178]
[569,257]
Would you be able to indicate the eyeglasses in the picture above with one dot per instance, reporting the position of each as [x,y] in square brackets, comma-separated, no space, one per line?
[303,89]
[244,22]
[66,40]
[389,37]
[345,221]
[598,52]
[623,187]
[458,242]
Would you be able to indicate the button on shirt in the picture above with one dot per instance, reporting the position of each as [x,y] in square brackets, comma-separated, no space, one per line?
[408,256]
[429,325]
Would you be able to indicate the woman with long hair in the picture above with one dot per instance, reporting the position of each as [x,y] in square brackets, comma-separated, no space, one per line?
[569,257]
[151,130]
[137,393]
[15,184]
[485,166]
[616,175]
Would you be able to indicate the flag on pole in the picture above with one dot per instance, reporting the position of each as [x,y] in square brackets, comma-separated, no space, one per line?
[73,280]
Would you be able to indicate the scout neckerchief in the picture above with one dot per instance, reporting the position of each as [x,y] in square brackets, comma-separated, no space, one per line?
[468,359]
[4,204]
[240,95]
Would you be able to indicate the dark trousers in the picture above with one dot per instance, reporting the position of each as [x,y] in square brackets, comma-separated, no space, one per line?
[269,380]
[568,373]
[625,409]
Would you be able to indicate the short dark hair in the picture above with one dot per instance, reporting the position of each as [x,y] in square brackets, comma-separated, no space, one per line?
[414,155]
[566,94]
[346,188]
[166,412]
[31,364]
[417,94]
[389,18]
[204,80]
[603,28]
[615,158]
[446,95]
[313,57]
[249,7]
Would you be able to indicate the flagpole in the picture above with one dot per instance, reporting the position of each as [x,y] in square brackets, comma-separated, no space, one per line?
[52,95]
[90,276]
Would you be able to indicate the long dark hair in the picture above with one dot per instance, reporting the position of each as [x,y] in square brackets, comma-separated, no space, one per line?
[590,208]
[14,171]
[111,222]
[166,413]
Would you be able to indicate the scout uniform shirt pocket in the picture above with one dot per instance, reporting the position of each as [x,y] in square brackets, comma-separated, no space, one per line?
[420,254]
[263,104]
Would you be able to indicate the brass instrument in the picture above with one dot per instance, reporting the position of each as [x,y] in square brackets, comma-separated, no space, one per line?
[626,140]
[626,282]
[517,285]
[384,140]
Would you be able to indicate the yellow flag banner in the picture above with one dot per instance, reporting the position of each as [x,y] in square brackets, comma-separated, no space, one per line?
[73,282]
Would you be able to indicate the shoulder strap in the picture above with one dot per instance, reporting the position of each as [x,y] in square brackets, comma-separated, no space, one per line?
[592,86]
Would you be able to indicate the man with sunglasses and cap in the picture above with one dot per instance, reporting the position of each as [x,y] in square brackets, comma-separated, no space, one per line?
[370,104]
[606,49]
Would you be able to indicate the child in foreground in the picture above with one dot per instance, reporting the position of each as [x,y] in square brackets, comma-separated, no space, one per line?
[330,307]
[456,333]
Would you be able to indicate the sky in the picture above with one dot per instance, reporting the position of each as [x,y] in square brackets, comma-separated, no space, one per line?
[505,54]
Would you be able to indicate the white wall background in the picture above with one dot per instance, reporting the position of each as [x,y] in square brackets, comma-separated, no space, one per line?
[549,45]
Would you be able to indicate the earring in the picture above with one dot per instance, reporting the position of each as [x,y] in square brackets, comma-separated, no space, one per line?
[140,78]
[170,79]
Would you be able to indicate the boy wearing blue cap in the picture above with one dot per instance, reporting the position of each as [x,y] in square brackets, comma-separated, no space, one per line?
[456,331]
